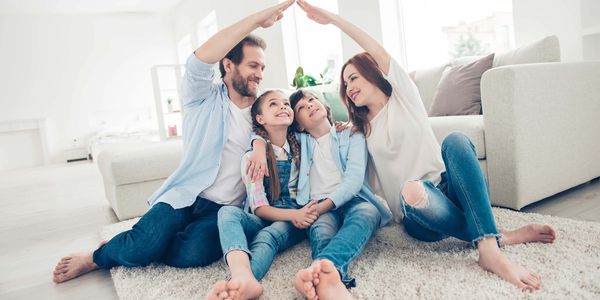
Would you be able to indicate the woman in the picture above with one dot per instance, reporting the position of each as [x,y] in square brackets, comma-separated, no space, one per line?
[436,192]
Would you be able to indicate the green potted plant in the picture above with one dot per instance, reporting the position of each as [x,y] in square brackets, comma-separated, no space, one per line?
[302,80]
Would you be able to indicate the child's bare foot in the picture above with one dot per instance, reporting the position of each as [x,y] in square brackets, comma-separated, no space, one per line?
[307,280]
[493,260]
[219,291]
[74,265]
[330,284]
[243,287]
[529,233]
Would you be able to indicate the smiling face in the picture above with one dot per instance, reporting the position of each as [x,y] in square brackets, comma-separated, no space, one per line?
[310,112]
[358,88]
[247,75]
[274,110]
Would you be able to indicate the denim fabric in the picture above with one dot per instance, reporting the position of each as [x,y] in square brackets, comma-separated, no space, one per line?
[284,171]
[186,237]
[237,227]
[340,235]
[459,206]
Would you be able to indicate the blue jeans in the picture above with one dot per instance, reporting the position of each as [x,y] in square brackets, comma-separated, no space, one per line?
[267,238]
[186,237]
[340,235]
[460,205]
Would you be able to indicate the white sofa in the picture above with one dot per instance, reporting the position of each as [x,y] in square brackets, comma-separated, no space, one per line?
[539,134]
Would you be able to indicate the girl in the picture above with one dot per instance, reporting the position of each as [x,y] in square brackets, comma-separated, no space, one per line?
[275,221]
[438,192]
[349,213]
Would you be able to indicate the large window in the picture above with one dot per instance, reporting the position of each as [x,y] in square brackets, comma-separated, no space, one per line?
[432,32]
[313,46]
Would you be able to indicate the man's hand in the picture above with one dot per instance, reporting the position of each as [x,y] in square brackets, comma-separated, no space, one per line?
[306,216]
[268,17]
[257,162]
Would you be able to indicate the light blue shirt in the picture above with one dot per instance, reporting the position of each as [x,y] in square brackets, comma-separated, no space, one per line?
[205,131]
[349,151]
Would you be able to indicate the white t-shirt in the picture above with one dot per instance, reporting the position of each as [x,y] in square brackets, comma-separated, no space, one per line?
[402,146]
[324,174]
[228,188]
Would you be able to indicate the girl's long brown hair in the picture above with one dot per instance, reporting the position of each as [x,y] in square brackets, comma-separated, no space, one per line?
[271,160]
[368,68]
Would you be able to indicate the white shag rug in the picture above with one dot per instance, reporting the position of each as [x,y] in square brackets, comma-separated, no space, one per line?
[395,266]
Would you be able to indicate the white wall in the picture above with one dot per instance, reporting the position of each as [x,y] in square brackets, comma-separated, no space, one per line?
[364,14]
[535,19]
[188,13]
[73,70]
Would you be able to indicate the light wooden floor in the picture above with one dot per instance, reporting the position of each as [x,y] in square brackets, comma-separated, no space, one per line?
[51,211]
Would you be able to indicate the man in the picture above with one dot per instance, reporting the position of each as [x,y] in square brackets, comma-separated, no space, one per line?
[180,229]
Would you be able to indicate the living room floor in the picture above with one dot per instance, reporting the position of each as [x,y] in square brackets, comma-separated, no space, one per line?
[47,212]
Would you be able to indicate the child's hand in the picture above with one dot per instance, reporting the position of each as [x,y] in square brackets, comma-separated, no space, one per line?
[304,217]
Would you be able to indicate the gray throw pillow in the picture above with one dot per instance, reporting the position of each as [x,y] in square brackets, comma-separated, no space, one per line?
[458,92]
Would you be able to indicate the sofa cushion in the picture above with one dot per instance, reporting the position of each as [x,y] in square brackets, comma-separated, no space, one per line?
[472,126]
[458,92]
[544,50]
[427,81]
[138,164]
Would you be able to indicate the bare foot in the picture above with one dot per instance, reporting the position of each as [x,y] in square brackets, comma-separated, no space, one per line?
[244,287]
[529,233]
[493,260]
[330,284]
[74,265]
[307,280]
[219,291]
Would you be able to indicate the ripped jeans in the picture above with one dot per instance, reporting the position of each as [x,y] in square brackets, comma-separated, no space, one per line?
[459,206]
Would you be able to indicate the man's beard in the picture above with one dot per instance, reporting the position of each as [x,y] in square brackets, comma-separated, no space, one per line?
[240,85]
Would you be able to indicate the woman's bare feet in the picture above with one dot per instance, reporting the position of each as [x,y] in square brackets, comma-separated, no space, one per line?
[493,260]
[74,265]
[529,233]
[307,280]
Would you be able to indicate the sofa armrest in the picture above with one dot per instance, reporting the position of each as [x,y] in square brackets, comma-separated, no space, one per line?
[542,129]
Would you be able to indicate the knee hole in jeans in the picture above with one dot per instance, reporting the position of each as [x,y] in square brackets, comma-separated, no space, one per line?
[415,195]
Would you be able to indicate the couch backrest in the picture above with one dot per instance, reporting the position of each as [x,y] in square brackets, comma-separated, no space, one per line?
[426,80]
[544,50]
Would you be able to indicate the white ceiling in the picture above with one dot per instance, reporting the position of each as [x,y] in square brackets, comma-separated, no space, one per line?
[84,6]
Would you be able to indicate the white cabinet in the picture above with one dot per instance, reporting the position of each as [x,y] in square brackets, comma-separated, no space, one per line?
[166,80]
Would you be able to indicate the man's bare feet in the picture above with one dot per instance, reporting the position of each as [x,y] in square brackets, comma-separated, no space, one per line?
[493,260]
[74,265]
[529,233]
[307,280]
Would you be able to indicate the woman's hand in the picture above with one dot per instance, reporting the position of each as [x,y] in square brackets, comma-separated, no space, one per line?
[268,17]
[316,14]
